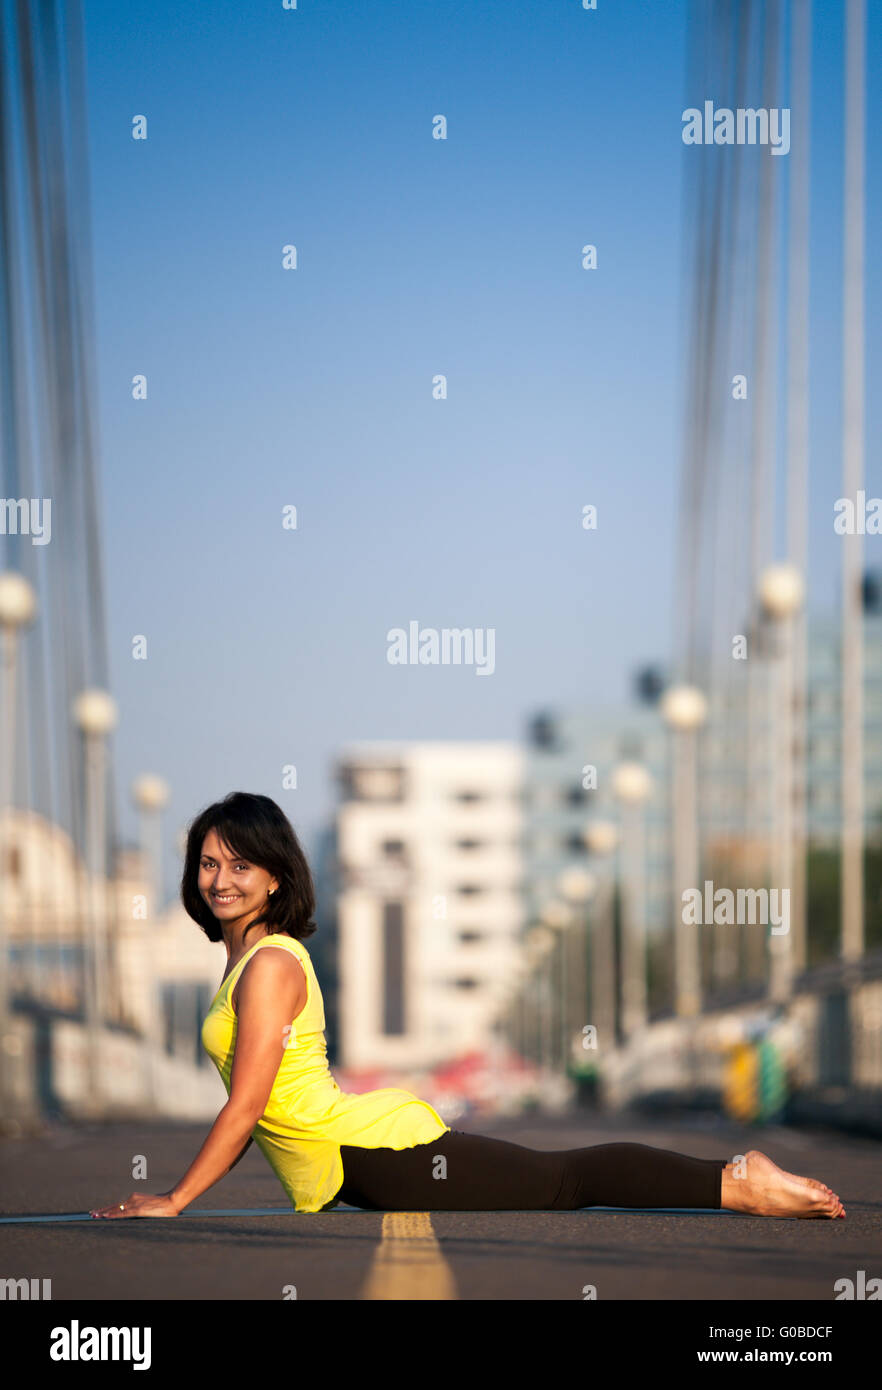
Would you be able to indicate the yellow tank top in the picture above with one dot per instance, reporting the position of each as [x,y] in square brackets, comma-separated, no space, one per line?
[307,1116]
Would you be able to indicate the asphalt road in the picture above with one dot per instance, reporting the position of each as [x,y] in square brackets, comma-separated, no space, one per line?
[481,1255]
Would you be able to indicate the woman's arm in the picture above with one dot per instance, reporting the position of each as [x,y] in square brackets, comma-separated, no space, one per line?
[272,991]
[224,1146]
[242,1154]
[227,1140]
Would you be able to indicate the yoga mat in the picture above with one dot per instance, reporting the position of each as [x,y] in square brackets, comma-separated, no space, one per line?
[84,1215]
[289,1211]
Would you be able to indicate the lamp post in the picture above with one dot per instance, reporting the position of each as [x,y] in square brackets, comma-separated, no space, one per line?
[18,608]
[684,709]
[517,1022]
[632,785]
[530,1002]
[577,887]
[853,426]
[781,594]
[602,838]
[95,714]
[540,944]
[151,796]
[798,338]
[557,916]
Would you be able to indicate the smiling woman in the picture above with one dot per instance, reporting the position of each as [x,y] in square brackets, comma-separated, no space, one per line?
[245,876]
[246,882]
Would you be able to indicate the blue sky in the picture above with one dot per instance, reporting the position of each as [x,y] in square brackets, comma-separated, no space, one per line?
[313,387]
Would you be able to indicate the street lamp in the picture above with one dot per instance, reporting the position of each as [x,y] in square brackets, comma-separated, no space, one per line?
[541,941]
[577,887]
[514,1012]
[853,463]
[781,594]
[532,956]
[557,916]
[684,709]
[601,836]
[18,608]
[632,786]
[601,839]
[151,795]
[95,714]
[781,590]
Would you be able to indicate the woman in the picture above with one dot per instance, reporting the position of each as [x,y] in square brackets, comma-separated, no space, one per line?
[246,882]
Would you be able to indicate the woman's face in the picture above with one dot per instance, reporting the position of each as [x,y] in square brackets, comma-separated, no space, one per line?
[234,888]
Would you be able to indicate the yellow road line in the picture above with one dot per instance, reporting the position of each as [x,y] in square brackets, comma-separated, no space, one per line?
[409,1263]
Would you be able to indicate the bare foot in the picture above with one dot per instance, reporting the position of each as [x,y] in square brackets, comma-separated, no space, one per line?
[767,1190]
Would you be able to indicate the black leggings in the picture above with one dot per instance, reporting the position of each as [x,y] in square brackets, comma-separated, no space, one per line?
[483,1174]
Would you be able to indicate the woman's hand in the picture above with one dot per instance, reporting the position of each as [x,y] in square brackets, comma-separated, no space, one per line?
[139,1204]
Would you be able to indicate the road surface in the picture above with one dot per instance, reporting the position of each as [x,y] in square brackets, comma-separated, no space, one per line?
[352,1255]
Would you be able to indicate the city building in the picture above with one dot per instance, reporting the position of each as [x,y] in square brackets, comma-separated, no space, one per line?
[430,898]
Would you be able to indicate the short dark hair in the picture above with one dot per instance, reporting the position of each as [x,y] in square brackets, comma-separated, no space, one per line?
[257,829]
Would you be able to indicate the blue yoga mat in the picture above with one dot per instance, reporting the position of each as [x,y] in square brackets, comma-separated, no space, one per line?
[289,1211]
[84,1215]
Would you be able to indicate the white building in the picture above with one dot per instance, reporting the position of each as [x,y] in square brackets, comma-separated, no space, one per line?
[429,905]
[149,1045]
